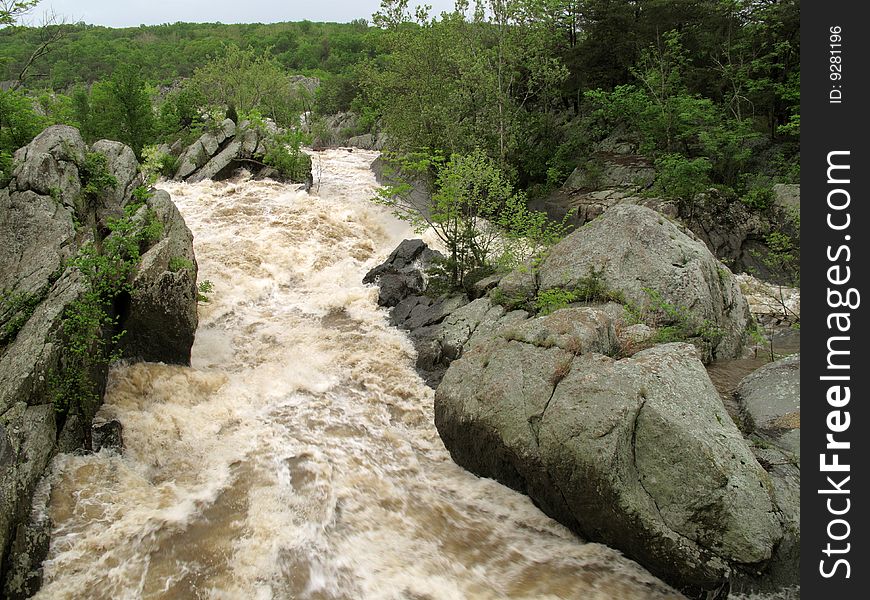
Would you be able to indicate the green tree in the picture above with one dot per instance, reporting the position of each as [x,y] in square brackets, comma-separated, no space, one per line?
[248,80]
[475,211]
[120,109]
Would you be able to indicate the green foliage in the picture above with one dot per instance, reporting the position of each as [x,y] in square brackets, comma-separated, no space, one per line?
[118,108]
[475,211]
[155,162]
[248,80]
[591,288]
[204,291]
[553,299]
[782,256]
[758,198]
[12,10]
[95,176]
[284,153]
[681,178]
[179,263]
[675,323]
[19,123]
[90,331]
[15,310]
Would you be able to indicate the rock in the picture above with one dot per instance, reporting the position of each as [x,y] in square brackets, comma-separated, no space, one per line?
[218,163]
[610,170]
[226,130]
[770,401]
[639,454]
[635,251]
[162,313]
[365,141]
[771,304]
[29,549]
[107,435]
[309,84]
[517,288]
[787,196]
[401,275]
[782,572]
[122,163]
[483,286]
[192,159]
[210,143]
[49,164]
[27,436]
[635,335]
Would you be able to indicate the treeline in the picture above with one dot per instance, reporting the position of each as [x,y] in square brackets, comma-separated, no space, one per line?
[165,53]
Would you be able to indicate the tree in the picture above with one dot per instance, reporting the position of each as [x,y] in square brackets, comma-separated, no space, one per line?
[12,10]
[249,81]
[120,109]
[475,211]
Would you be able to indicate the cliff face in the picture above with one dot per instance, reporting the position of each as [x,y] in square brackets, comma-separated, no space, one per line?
[93,266]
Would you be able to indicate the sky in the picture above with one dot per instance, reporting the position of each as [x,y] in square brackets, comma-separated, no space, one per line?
[131,13]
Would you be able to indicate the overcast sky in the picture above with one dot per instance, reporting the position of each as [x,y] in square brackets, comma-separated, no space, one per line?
[130,13]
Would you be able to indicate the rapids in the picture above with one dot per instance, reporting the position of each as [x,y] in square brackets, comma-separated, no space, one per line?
[297,457]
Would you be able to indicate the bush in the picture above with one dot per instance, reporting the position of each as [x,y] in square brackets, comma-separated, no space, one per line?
[681,178]
[285,155]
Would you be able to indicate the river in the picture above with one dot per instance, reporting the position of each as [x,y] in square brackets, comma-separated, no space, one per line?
[297,457]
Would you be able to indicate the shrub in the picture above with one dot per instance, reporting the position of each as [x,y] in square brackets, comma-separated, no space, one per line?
[286,156]
[681,178]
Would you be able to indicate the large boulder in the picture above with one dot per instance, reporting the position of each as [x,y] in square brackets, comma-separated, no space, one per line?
[47,218]
[770,402]
[638,453]
[161,318]
[403,273]
[658,266]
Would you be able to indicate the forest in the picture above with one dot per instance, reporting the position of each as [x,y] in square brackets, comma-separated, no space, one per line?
[708,90]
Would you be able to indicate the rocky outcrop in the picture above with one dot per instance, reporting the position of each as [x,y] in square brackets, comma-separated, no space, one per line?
[656,265]
[737,234]
[623,439]
[614,174]
[339,130]
[637,453]
[611,177]
[49,214]
[219,153]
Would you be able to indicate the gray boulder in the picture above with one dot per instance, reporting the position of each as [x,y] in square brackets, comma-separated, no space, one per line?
[639,253]
[402,274]
[162,318]
[218,163]
[639,454]
[192,159]
[122,163]
[770,401]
